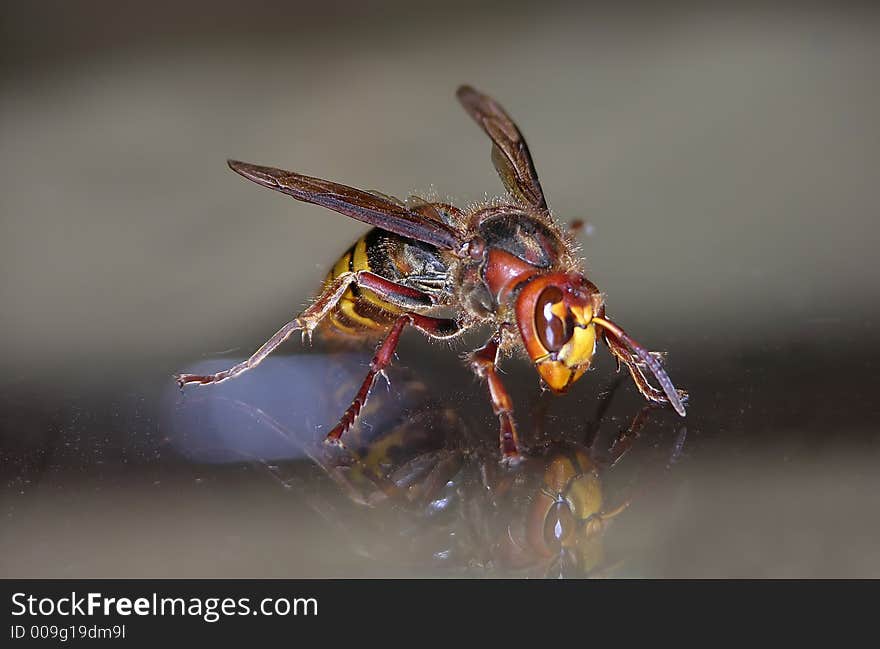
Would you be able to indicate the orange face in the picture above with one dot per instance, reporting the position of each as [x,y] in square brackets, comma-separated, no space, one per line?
[554,313]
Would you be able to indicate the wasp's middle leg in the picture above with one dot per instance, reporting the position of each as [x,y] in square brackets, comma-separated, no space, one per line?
[484,363]
[439,328]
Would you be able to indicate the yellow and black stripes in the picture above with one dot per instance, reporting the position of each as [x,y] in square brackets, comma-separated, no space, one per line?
[417,269]
[360,311]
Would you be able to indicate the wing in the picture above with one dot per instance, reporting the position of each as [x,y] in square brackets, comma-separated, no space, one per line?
[510,154]
[372,209]
[443,212]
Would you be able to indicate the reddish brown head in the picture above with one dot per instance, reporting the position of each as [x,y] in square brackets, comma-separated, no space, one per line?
[555,317]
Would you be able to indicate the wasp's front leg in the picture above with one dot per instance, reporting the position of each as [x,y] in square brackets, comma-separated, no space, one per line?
[623,355]
[484,363]
[634,356]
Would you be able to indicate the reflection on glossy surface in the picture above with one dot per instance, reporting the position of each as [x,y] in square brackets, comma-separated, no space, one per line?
[423,484]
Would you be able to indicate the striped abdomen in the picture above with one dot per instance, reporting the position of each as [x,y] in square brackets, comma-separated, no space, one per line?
[361,313]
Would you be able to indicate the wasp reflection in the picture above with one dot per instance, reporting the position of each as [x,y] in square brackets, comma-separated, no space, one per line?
[419,487]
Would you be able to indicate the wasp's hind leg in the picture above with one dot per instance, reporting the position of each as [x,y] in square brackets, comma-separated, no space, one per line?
[439,328]
[305,322]
[484,363]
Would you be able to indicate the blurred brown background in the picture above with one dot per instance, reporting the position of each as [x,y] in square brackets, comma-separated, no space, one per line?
[727,159]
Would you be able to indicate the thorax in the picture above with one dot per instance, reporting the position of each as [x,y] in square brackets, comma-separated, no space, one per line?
[511,245]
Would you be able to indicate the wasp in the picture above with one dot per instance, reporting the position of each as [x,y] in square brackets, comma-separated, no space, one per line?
[506,265]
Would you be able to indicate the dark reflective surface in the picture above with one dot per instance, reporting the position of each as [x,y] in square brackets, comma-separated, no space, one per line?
[424,481]
[771,477]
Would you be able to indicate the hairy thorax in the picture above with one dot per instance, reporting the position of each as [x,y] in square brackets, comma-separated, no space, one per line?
[511,246]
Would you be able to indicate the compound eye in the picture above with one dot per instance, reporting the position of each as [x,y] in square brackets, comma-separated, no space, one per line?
[553,322]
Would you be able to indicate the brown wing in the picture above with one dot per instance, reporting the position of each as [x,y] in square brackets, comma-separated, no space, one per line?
[375,210]
[510,154]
